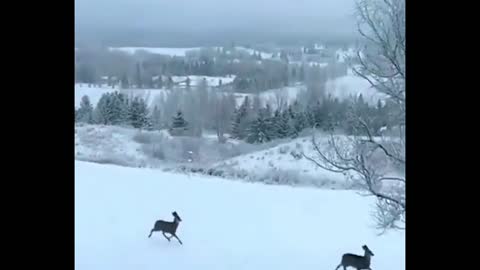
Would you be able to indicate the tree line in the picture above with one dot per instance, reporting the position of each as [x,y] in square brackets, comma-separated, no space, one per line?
[189,113]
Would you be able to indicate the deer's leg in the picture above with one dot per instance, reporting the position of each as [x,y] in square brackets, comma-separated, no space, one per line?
[150,233]
[180,241]
[166,236]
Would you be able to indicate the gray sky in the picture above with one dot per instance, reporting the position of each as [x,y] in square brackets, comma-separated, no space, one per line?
[269,16]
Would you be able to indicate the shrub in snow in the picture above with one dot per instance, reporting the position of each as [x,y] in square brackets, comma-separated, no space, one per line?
[296,155]
[141,137]
[283,149]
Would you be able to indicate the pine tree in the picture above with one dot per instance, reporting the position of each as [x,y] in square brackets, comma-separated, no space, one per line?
[120,108]
[319,115]
[179,125]
[85,112]
[258,131]
[111,109]
[285,126]
[138,113]
[241,120]
[235,129]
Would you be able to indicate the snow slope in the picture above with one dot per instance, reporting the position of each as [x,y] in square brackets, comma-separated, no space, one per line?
[108,144]
[352,85]
[226,225]
[285,159]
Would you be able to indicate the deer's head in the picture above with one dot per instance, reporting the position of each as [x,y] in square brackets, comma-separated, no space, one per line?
[176,216]
[367,250]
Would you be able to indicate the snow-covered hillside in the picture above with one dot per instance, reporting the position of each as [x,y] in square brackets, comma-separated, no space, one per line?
[287,160]
[352,85]
[226,225]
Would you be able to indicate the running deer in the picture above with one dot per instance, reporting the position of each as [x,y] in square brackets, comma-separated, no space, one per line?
[356,261]
[167,227]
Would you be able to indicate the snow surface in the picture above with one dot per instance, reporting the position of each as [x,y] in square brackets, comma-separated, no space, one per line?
[196,80]
[95,92]
[108,144]
[285,157]
[226,225]
[352,85]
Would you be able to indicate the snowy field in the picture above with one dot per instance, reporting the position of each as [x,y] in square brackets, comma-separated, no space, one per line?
[95,92]
[351,85]
[226,225]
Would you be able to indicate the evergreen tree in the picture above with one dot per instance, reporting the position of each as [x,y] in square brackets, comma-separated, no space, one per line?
[85,112]
[138,113]
[179,125]
[120,108]
[241,120]
[285,125]
[111,109]
[319,115]
[310,117]
[258,131]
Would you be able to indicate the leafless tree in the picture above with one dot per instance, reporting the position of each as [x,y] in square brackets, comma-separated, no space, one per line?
[376,164]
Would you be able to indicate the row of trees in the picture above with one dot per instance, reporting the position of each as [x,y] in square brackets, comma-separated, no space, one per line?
[139,70]
[115,109]
[191,112]
[263,125]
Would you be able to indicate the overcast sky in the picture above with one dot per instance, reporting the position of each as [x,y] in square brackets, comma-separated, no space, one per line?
[212,15]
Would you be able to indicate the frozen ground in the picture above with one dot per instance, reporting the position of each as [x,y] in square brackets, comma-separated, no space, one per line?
[226,225]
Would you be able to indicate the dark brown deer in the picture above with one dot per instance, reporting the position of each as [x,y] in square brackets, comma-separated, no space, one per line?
[167,227]
[356,261]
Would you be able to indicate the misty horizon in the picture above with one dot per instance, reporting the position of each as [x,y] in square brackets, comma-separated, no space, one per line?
[211,22]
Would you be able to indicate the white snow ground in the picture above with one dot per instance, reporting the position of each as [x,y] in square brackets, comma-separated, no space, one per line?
[226,225]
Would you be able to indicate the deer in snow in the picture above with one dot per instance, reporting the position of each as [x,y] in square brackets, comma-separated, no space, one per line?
[167,227]
[356,261]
